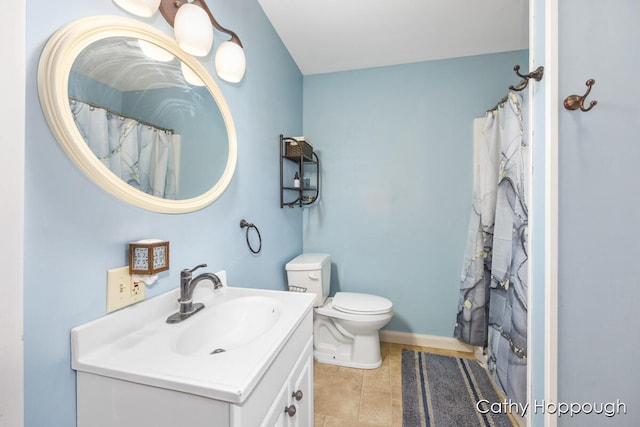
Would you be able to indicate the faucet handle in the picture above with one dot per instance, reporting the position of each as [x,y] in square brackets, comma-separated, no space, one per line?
[186,272]
[197,267]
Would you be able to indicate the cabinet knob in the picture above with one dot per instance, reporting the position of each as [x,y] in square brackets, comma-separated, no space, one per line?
[297,395]
[290,410]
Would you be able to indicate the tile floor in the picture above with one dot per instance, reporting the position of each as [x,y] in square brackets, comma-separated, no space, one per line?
[364,397]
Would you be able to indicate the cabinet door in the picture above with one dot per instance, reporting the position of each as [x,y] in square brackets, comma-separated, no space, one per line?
[293,405]
[276,416]
[302,387]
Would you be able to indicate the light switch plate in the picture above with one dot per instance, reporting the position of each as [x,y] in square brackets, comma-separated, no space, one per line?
[121,289]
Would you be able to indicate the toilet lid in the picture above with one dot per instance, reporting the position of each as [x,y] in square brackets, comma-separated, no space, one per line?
[351,302]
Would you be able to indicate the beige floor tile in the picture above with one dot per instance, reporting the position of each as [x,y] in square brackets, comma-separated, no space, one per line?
[395,350]
[396,394]
[337,396]
[444,352]
[323,368]
[340,422]
[376,407]
[351,373]
[396,411]
[377,379]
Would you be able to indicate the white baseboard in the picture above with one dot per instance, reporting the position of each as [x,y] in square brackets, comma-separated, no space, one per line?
[444,343]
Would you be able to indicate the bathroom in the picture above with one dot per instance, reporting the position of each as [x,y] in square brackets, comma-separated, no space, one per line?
[399,225]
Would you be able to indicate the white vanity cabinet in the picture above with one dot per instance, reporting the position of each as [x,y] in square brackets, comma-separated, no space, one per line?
[268,408]
[293,405]
[110,402]
[135,381]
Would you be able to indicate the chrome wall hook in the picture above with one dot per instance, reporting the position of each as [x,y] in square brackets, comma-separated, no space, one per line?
[573,102]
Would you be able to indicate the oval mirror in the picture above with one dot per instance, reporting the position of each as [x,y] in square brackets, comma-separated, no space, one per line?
[139,117]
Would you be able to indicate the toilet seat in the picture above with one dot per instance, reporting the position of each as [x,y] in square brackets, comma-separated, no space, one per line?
[357,303]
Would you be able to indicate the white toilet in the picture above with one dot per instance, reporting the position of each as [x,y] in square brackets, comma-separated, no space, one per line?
[345,327]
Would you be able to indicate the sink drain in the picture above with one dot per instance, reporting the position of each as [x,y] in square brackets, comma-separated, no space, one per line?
[218,350]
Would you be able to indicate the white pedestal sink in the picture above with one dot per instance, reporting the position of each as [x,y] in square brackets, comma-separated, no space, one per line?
[231,360]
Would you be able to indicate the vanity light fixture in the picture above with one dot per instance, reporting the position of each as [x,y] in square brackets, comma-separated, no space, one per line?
[191,22]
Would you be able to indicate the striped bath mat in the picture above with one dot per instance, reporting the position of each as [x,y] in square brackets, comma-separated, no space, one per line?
[443,391]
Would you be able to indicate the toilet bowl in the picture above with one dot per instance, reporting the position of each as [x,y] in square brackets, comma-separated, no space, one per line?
[349,337]
[345,327]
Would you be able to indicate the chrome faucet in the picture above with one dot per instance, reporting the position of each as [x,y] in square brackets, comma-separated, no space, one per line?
[187,285]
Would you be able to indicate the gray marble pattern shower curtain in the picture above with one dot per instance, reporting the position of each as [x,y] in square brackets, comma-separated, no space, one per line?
[492,309]
[143,156]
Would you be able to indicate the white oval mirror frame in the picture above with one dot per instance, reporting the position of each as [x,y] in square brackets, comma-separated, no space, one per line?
[55,65]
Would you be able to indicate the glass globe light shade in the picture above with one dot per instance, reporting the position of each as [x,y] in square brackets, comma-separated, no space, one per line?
[192,29]
[190,76]
[154,51]
[144,8]
[230,62]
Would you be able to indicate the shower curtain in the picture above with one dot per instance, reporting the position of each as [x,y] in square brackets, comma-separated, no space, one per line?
[492,309]
[139,154]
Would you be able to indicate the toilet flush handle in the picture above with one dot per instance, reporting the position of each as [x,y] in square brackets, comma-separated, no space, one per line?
[313,276]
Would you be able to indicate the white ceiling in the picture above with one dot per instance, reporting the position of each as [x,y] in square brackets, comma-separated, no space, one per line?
[339,35]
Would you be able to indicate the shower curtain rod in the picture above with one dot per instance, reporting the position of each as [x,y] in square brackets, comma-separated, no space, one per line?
[502,101]
[118,113]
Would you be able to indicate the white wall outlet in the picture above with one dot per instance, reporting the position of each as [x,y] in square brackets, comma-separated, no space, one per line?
[122,290]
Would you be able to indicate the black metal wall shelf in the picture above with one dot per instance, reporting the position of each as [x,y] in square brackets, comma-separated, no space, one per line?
[306,161]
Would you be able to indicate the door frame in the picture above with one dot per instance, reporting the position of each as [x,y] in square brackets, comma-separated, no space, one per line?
[551,207]
[12,120]
[543,50]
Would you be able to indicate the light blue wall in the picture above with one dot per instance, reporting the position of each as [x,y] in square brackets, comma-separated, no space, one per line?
[86,89]
[599,206]
[74,231]
[396,150]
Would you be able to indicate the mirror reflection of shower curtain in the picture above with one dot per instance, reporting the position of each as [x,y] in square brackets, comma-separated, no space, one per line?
[143,156]
[492,309]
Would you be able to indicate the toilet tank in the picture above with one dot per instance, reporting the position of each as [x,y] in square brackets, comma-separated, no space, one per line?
[312,273]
